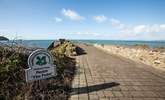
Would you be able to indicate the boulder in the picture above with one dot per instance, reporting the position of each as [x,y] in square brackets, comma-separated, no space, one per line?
[2,38]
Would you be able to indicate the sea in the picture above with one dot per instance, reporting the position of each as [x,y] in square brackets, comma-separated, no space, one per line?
[46,43]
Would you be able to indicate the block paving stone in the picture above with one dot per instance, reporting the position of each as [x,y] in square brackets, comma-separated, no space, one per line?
[104,76]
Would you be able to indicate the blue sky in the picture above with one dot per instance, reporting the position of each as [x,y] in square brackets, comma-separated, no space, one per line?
[83,19]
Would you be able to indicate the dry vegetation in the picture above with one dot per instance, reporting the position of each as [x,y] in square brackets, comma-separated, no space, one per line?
[13,62]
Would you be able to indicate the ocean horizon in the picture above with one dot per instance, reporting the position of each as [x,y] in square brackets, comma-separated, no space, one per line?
[46,43]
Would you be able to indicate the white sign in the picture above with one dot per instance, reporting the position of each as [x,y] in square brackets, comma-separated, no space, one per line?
[41,66]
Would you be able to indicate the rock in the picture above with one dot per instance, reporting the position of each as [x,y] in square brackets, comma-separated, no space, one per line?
[151,53]
[155,50]
[141,58]
[54,44]
[2,38]
[151,56]
[157,62]
[62,41]
[74,53]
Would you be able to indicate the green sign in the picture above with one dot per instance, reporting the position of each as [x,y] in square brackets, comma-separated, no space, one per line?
[41,66]
[41,60]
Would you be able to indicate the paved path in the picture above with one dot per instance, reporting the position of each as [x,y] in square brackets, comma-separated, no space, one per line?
[103,76]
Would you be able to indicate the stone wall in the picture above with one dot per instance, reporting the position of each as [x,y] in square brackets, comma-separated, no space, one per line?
[153,57]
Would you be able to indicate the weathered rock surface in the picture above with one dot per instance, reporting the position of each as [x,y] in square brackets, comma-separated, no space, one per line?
[150,56]
[2,38]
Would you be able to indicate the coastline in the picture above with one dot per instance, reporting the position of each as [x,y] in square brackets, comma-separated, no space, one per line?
[45,43]
[154,57]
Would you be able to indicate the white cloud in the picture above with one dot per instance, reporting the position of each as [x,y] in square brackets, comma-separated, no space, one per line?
[100,18]
[73,15]
[116,23]
[86,33]
[139,32]
[162,26]
[140,28]
[57,19]
[154,28]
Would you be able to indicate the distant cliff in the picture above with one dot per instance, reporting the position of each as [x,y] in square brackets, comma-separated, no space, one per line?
[2,38]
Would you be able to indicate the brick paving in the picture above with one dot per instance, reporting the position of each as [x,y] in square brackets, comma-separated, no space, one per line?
[103,76]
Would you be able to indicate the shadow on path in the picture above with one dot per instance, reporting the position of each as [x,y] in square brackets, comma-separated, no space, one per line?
[93,88]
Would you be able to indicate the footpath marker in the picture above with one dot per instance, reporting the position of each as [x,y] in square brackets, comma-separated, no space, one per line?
[41,66]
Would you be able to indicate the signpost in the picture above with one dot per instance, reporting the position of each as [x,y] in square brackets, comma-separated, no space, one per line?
[41,66]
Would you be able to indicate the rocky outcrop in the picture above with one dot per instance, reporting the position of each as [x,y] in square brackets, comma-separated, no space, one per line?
[150,56]
[2,38]
[66,47]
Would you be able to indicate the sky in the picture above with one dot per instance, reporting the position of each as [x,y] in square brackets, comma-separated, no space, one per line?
[83,19]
